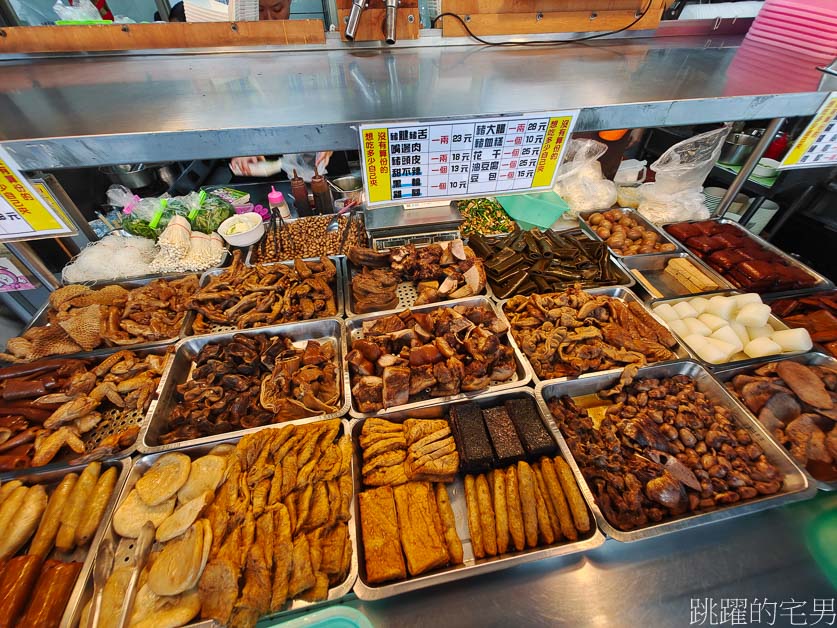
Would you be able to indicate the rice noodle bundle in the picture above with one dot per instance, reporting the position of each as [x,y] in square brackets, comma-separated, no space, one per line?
[112,257]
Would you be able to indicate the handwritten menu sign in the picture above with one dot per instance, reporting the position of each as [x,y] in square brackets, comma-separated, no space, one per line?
[24,215]
[475,157]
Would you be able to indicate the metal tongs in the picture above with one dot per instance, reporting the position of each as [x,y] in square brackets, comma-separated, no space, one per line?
[271,231]
[141,550]
[101,571]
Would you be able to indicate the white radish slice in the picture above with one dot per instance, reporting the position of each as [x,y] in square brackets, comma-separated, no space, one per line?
[700,304]
[666,312]
[759,332]
[680,328]
[741,331]
[761,347]
[711,321]
[721,306]
[685,310]
[707,349]
[792,339]
[754,315]
[727,335]
[697,327]
[746,299]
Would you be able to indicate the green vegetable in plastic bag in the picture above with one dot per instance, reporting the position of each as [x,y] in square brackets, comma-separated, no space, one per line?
[208,212]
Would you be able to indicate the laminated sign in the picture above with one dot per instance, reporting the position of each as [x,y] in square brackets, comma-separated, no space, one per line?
[817,146]
[455,159]
[24,215]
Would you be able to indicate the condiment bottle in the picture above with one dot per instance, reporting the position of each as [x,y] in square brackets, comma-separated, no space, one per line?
[276,200]
[323,203]
[300,194]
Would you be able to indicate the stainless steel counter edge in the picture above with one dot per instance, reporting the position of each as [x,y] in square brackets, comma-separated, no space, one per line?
[487,565]
[143,448]
[543,393]
[523,370]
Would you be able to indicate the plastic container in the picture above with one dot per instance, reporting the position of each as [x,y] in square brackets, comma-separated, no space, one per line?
[766,168]
[534,210]
[243,238]
[334,617]
[276,200]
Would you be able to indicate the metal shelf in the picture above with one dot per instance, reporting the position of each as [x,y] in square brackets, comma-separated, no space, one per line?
[101,109]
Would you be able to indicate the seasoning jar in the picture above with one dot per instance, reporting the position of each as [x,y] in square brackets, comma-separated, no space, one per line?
[300,194]
[323,203]
[276,200]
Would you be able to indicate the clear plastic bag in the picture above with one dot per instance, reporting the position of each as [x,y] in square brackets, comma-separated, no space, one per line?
[661,206]
[686,165]
[580,181]
[81,11]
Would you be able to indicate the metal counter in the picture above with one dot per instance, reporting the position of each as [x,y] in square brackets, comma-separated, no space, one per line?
[93,110]
[649,583]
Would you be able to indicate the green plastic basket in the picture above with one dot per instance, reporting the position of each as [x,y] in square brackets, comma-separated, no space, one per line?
[534,210]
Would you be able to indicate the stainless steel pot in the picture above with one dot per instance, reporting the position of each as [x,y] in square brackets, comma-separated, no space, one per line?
[132,176]
[737,147]
[349,187]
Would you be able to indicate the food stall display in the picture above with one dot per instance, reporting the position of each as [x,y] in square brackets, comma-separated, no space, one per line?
[627,232]
[815,312]
[477,489]
[432,273]
[743,259]
[727,328]
[231,381]
[240,531]
[796,402]
[666,447]
[241,297]
[72,408]
[428,352]
[531,261]
[50,520]
[483,216]
[78,318]
[569,333]
[308,237]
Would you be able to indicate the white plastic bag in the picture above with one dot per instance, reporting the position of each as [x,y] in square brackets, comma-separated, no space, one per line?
[661,206]
[686,165]
[580,182]
[82,10]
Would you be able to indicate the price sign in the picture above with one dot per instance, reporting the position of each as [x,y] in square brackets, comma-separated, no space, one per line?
[817,146]
[24,214]
[475,157]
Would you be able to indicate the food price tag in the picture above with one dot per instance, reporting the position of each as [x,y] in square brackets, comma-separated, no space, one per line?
[24,214]
[817,146]
[409,161]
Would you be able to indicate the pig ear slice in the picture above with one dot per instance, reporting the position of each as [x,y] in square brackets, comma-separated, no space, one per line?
[805,384]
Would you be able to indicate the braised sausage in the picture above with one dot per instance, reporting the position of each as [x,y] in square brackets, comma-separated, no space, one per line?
[51,594]
[18,580]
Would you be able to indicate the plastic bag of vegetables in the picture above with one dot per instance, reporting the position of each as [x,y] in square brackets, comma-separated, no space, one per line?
[139,215]
[204,211]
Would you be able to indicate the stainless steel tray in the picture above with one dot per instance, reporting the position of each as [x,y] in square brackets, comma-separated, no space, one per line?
[647,224]
[179,369]
[88,555]
[822,282]
[653,269]
[117,419]
[617,292]
[84,588]
[471,566]
[814,358]
[406,291]
[354,331]
[41,319]
[337,285]
[774,321]
[796,486]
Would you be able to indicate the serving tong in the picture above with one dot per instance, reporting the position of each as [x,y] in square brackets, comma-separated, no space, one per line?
[271,231]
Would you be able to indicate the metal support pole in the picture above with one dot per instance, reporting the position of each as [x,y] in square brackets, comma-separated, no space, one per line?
[24,253]
[749,166]
[74,213]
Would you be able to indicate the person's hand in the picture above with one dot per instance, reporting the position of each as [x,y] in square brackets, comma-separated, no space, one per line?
[241,165]
[322,159]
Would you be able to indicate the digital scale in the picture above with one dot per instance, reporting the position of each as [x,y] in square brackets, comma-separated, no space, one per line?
[412,223]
